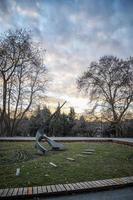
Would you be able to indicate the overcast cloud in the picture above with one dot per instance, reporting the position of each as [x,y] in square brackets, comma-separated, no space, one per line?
[74,33]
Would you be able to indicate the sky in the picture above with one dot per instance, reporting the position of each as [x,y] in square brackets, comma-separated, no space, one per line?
[74,33]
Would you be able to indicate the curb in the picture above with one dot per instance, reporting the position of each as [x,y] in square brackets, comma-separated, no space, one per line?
[82,140]
[64,189]
[123,142]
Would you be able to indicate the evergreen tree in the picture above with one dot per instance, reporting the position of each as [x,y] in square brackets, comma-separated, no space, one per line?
[39,118]
[65,124]
[71,117]
[55,123]
[82,126]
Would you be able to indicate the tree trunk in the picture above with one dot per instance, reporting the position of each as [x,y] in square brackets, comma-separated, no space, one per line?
[3,113]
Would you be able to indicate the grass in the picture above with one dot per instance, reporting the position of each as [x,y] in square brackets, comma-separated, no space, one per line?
[108,161]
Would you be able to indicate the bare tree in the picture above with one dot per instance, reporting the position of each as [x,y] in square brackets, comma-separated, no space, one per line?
[22,77]
[109,83]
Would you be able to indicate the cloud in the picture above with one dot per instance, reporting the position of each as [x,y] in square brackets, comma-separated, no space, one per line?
[27,12]
[74,33]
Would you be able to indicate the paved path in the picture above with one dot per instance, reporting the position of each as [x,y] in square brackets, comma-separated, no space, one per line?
[126,141]
[67,139]
[123,139]
[118,194]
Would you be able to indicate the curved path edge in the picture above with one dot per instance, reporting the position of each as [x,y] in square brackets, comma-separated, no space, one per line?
[63,189]
[125,141]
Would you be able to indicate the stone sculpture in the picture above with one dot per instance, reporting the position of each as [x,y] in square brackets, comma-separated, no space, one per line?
[41,135]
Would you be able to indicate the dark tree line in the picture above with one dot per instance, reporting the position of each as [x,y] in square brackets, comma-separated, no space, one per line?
[60,125]
[68,125]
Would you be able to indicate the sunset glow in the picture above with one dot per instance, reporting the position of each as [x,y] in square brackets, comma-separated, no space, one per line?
[74,33]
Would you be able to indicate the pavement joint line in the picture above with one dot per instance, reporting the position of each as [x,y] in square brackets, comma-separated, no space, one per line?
[39,189]
[71,186]
[107,183]
[76,187]
[88,184]
[10,192]
[67,187]
[62,186]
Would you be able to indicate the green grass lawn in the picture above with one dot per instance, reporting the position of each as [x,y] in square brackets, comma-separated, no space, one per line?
[108,161]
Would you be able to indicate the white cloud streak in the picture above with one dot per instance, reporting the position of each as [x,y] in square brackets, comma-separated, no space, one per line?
[74,33]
